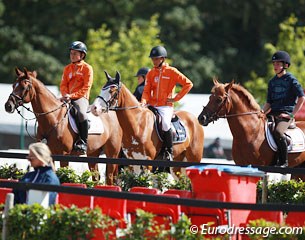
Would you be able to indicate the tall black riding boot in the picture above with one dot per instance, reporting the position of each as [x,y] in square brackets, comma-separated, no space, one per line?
[168,143]
[282,152]
[83,133]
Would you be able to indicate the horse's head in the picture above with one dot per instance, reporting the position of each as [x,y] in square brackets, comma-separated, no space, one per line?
[109,94]
[218,105]
[21,90]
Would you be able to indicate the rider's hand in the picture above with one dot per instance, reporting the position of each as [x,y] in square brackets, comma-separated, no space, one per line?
[170,100]
[65,98]
[285,115]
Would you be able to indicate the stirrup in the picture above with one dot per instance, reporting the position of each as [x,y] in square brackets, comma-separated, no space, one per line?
[282,165]
[81,147]
[168,156]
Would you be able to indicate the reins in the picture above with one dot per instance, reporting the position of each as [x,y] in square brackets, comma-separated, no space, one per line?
[36,114]
[239,114]
[123,108]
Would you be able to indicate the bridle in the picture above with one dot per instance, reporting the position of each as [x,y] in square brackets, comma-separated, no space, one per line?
[112,103]
[114,97]
[19,101]
[214,116]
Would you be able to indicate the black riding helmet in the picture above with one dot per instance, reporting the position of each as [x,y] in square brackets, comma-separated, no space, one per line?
[158,51]
[79,46]
[142,71]
[281,56]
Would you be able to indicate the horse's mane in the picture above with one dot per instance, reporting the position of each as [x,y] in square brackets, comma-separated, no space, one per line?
[40,83]
[240,90]
[129,92]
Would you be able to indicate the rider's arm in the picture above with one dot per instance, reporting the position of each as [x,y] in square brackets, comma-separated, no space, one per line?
[266,108]
[299,105]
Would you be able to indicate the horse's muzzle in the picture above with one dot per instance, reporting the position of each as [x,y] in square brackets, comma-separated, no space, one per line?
[9,106]
[203,120]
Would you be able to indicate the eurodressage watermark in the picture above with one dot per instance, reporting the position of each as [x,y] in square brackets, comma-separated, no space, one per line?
[205,229]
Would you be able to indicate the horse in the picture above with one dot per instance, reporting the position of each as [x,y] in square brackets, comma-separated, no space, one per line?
[53,124]
[140,136]
[247,123]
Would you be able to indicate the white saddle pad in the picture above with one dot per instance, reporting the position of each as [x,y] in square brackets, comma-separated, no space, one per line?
[96,124]
[297,140]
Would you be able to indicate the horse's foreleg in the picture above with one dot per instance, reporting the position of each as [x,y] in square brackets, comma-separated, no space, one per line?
[94,170]
[64,164]
[111,173]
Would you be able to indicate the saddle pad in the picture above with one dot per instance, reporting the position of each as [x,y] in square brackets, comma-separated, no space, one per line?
[178,130]
[297,137]
[96,124]
[179,133]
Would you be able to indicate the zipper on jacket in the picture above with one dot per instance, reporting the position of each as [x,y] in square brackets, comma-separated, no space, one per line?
[158,86]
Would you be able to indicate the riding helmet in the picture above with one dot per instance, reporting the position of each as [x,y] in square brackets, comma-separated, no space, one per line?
[281,56]
[157,52]
[78,46]
[142,71]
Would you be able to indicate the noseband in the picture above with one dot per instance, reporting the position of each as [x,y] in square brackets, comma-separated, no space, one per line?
[214,116]
[112,103]
[19,100]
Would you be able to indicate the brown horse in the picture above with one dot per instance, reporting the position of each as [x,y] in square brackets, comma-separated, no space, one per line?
[140,138]
[247,124]
[53,125]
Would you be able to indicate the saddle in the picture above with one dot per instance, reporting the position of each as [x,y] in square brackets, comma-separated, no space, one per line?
[95,124]
[177,126]
[294,135]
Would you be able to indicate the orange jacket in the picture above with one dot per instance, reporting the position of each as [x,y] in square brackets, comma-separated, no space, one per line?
[77,80]
[160,84]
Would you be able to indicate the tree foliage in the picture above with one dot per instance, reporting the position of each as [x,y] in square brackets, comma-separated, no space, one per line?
[291,38]
[204,39]
[126,54]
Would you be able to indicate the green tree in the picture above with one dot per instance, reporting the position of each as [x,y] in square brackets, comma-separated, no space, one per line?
[291,38]
[126,54]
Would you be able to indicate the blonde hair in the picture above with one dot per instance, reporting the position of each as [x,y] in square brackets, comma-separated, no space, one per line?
[43,153]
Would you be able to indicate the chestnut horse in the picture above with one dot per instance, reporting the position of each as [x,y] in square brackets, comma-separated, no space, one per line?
[140,138]
[247,124]
[53,125]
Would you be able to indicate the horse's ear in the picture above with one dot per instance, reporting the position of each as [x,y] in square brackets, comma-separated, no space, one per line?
[229,86]
[25,71]
[107,75]
[215,81]
[18,71]
[35,74]
[117,76]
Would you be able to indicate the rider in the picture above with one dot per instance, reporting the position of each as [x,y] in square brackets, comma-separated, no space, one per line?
[141,75]
[75,85]
[285,98]
[159,92]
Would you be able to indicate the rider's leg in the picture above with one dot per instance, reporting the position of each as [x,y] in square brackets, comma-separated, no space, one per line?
[280,139]
[168,143]
[83,135]
[82,105]
[166,113]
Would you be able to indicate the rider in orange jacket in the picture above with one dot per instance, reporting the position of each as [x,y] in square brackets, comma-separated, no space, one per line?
[75,85]
[159,92]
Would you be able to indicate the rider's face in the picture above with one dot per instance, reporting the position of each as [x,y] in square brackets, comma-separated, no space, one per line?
[157,61]
[75,56]
[278,67]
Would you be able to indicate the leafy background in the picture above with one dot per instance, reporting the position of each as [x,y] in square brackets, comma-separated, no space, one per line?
[232,39]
